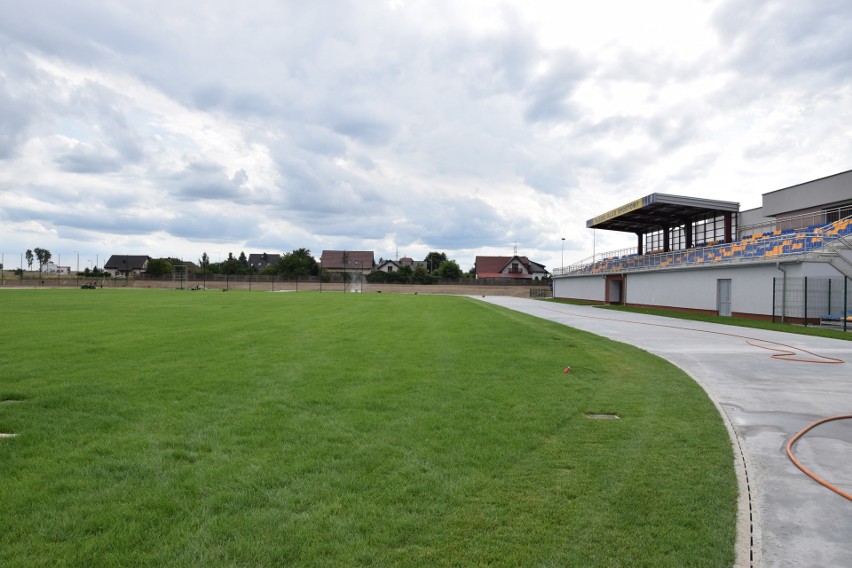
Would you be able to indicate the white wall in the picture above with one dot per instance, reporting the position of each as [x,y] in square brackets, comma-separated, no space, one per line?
[696,288]
[580,288]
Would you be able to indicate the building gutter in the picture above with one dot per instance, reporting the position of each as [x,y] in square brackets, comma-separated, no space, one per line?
[783,291]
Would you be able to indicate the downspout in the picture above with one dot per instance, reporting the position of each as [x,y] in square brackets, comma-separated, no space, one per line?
[783,291]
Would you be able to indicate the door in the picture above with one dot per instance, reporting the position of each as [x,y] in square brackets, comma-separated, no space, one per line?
[723,297]
[615,291]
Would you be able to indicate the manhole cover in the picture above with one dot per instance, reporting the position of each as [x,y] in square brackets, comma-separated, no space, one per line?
[602,416]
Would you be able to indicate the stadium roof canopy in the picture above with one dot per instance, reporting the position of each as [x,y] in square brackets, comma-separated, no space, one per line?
[659,211]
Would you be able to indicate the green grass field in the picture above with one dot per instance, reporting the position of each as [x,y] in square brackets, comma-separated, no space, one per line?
[176,428]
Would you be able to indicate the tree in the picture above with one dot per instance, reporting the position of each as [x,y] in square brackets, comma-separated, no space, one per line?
[420,276]
[243,260]
[404,274]
[159,267]
[204,262]
[449,270]
[30,257]
[43,257]
[232,266]
[297,263]
[433,260]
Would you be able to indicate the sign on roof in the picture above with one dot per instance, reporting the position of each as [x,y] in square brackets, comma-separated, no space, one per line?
[618,211]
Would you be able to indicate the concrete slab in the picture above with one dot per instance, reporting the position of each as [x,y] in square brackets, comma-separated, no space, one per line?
[787,519]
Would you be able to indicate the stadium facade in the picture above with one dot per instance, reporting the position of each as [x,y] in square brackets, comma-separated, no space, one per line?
[790,259]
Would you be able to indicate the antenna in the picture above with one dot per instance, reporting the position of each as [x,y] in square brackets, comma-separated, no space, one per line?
[516,248]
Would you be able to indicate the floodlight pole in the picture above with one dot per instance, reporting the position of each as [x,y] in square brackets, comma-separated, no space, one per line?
[562,266]
[78,267]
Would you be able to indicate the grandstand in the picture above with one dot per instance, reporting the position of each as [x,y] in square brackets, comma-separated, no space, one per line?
[707,256]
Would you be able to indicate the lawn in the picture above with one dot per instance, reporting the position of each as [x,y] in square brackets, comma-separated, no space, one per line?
[177,428]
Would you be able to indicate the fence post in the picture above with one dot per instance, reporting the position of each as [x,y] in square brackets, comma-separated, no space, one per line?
[806,301]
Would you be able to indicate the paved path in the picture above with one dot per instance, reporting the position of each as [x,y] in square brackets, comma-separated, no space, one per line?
[795,521]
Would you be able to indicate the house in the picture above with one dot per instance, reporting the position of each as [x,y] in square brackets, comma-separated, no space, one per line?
[388,266]
[126,264]
[52,268]
[514,267]
[340,261]
[410,262]
[261,261]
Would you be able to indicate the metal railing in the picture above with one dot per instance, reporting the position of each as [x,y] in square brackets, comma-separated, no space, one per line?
[775,246]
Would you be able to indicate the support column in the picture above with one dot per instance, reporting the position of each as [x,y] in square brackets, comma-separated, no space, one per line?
[687,233]
[666,239]
[640,244]
[728,227]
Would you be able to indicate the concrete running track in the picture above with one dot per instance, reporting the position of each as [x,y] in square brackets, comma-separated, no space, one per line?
[786,519]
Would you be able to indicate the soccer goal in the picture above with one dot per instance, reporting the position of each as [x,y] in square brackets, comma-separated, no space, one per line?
[179,274]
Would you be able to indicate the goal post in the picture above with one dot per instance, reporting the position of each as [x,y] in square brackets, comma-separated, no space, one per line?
[179,273]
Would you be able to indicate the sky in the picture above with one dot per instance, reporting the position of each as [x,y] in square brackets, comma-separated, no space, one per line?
[470,127]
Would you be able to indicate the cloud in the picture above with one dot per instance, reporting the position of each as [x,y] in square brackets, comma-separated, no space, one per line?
[88,159]
[459,126]
[791,41]
[208,181]
[549,96]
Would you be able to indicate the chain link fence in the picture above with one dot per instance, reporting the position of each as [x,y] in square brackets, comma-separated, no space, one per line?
[810,300]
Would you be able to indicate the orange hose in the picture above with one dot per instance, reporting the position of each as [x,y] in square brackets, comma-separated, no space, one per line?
[806,471]
[781,354]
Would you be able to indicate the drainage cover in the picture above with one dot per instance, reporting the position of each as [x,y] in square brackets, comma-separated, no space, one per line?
[603,416]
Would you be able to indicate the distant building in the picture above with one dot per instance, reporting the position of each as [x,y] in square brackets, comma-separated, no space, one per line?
[262,260]
[410,262]
[339,261]
[126,264]
[53,268]
[388,266]
[513,267]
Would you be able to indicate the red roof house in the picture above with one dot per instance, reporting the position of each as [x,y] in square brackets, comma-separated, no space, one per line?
[513,267]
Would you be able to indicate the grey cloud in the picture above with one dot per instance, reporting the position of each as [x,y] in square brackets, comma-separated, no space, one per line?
[86,32]
[19,99]
[788,40]
[88,159]
[548,176]
[212,225]
[14,123]
[106,114]
[457,223]
[241,103]
[364,128]
[207,181]
[109,222]
[548,97]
